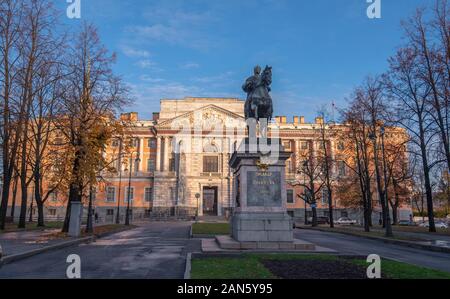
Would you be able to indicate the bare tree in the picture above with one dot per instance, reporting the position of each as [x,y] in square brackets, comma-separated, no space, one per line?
[308,176]
[409,99]
[13,109]
[357,145]
[431,48]
[326,133]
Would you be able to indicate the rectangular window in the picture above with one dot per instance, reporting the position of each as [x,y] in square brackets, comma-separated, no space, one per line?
[151,143]
[304,145]
[52,212]
[289,166]
[109,212]
[211,164]
[134,142]
[111,194]
[150,165]
[54,196]
[290,196]
[115,142]
[131,194]
[148,194]
[324,196]
[342,168]
[287,145]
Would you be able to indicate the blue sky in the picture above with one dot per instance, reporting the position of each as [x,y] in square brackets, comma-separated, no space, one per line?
[319,49]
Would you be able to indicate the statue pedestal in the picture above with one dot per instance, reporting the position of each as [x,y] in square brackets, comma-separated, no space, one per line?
[260,218]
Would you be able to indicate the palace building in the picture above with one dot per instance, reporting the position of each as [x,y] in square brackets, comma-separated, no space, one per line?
[179,164]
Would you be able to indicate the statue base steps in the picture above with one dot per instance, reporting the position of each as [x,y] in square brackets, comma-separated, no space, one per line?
[228,243]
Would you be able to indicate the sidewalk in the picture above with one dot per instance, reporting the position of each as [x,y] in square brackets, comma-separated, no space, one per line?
[19,242]
[23,244]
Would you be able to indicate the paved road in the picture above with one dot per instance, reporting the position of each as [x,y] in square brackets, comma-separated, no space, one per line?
[346,244]
[153,250]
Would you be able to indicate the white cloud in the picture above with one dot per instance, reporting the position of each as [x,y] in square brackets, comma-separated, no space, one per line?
[146,64]
[147,78]
[214,79]
[135,53]
[190,65]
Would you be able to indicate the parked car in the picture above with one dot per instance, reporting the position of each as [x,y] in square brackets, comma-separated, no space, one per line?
[407,223]
[345,221]
[438,224]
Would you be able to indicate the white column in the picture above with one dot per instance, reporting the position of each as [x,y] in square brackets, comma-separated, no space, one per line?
[158,153]
[141,154]
[166,153]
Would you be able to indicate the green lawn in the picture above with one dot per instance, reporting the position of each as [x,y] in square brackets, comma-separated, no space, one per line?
[211,228]
[249,266]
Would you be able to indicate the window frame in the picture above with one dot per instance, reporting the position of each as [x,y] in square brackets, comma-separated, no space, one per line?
[206,168]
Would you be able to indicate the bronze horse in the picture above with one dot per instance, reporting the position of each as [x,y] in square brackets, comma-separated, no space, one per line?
[259,103]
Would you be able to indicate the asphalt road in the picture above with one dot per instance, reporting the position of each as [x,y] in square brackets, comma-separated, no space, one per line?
[346,244]
[154,250]
[158,250]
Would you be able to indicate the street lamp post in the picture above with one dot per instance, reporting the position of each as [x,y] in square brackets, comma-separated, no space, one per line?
[197,195]
[120,184]
[118,195]
[127,216]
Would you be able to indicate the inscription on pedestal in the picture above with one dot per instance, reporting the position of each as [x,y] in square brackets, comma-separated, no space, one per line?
[264,189]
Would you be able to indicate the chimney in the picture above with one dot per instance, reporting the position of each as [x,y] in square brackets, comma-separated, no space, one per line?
[319,120]
[278,119]
[125,116]
[296,120]
[302,120]
[283,119]
[134,116]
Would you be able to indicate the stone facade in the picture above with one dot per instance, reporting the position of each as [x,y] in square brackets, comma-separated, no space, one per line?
[184,151]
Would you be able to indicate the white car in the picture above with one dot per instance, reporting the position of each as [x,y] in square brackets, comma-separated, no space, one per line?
[345,221]
[437,224]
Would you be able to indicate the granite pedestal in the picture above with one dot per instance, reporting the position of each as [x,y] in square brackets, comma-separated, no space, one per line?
[260,218]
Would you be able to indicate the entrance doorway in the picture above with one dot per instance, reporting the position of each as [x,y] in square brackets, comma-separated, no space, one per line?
[210,201]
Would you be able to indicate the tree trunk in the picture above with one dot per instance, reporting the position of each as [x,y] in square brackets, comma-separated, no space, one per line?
[314,215]
[14,196]
[426,172]
[40,208]
[30,219]
[38,198]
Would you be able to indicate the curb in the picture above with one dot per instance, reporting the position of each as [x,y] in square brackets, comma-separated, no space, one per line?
[15,257]
[203,236]
[390,241]
[187,270]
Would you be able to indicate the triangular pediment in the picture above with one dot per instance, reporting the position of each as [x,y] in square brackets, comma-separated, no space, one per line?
[208,115]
